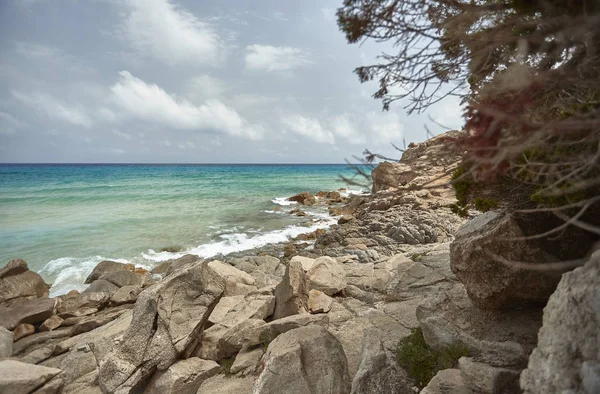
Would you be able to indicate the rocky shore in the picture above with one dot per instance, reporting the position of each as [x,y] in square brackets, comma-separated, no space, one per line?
[398,297]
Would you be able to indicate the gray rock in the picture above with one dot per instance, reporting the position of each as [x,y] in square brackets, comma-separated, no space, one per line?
[327,275]
[106,267]
[6,343]
[377,374]
[246,359]
[305,360]
[567,357]
[125,295]
[21,311]
[291,295]
[222,384]
[237,282]
[126,278]
[168,319]
[499,338]
[18,377]
[389,174]
[70,306]
[319,302]
[101,286]
[39,339]
[53,386]
[447,381]
[183,377]
[484,378]
[492,284]
[223,307]
[17,281]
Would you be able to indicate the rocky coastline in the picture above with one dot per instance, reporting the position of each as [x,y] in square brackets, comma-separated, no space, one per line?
[362,307]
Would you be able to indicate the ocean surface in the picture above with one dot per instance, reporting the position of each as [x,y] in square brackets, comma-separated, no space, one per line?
[64,219]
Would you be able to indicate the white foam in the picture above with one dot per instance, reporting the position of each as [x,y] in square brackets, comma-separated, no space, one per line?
[354,192]
[283,201]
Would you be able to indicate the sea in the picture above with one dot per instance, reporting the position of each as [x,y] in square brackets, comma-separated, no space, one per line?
[63,219]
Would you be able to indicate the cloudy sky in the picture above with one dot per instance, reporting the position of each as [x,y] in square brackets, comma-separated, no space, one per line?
[191,81]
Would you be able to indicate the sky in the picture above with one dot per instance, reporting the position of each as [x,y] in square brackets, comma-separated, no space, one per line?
[183,81]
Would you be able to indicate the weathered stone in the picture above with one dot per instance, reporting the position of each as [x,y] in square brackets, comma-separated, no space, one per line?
[38,355]
[101,286]
[23,330]
[319,302]
[304,198]
[70,306]
[184,261]
[6,343]
[168,319]
[492,284]
[347,218]
[263,334]
[18,377]
[227,385]
[306,262]
[567,357]
[305,360]
[246,359]
[389,174]
[183,377]
[21,311]
[252,306]
[225,305]
[499,338]
[86,384]
[92,322]
[103,268]
[126,278]
[32,342]
[291,295]
[17,281]
[484,378]
[53,386]
[447,381]
[125,295]
[73,317]
[237,282]
[327,275]
[377,374]
[51,323]
[236,337]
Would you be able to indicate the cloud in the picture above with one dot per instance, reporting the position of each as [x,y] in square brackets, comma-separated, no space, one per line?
[55,108]
[159,29]
[151,103]
[273,59]
[9,124]
[205,86]
[43,53]
[308,127]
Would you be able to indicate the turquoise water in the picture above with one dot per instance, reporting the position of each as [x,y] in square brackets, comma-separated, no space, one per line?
[64,219]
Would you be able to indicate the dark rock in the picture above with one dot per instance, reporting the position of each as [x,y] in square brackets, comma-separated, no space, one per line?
[346,219]
[14,267]
[126,278]
[17,281]
[125,295]
[304,198]
[106,267]
[25,311]
[101,286]
[390,174]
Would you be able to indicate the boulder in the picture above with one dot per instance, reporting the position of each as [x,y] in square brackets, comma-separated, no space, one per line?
[306,262]
[106,267]
[492,284]
[327,275]
[222,384]
[304,198]
[347,218]
[168,320]
[223,307]
[70,306]
[291,294]
[23,330]
[6,343]
[447,381]
[246,359]
[17,281]
[126,278]
[125,295]
[377,374]
[485,378]
[319,302]
[183,377]
[567,356]
[389,174]
[499,338]
[304,361]
[20,311]
[101,286]
[18,377]
[237,282]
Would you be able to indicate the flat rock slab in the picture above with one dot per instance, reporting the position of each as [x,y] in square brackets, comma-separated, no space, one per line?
[25,311]
[18,377]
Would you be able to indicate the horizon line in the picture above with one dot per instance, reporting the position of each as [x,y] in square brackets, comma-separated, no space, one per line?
[169,163]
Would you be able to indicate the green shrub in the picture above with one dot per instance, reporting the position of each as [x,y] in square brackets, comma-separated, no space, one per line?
[226,364]
[422,363]
[463,212]
[484,204]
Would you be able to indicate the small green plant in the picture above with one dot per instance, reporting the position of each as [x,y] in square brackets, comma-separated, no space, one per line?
[226,364]
[462,183]
[417,256]
[422,363]
[463,212]
[484,204]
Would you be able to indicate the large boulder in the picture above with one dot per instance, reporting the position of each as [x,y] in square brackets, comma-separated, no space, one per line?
[126,278]
[237,282]
[18,377]
[327,275]
[71,304]
[498,338]
[389,174]
[17,281]
[306,360]
[304,198]
[168,320]
[6,343]
[567,357]
[447,381]
[291,294]
[183,377]
[25,311]
[492,284]
[106,267]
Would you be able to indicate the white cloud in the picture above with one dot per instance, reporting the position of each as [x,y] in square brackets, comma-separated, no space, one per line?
[205,86]
[308,127]
[270,58]
[151,103]
[170,34]
[55,108]
[9,124]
